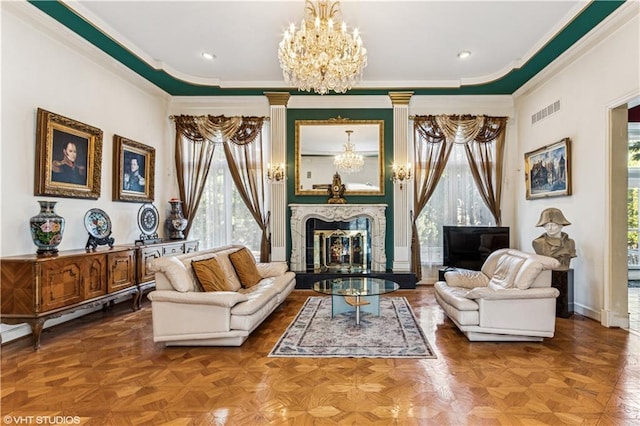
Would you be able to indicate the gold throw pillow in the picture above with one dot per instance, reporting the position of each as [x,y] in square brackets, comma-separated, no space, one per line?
[210,275]
[245,265]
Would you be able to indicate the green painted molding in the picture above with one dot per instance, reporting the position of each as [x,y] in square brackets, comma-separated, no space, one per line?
[354,114]
[589,18]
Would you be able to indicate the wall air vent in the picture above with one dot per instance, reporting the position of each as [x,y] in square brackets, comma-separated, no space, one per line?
[545,112]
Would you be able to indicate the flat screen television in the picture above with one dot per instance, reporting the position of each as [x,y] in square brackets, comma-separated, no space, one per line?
[469,246]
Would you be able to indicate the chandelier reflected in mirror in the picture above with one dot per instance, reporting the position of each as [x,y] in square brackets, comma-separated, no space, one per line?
[321,55]
[348,161]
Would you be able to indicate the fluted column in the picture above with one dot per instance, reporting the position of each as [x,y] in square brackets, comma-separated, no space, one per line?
[402,191]
[278,190]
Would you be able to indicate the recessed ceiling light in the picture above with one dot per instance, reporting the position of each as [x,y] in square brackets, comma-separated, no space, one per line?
[464,54]
[208,56]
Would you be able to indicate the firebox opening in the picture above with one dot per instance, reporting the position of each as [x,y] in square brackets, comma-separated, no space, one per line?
[338,246]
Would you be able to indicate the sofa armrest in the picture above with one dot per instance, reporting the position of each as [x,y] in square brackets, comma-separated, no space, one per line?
[226,299]
[465,278]
[513,293]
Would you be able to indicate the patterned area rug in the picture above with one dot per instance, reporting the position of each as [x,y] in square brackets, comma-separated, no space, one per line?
[314,334]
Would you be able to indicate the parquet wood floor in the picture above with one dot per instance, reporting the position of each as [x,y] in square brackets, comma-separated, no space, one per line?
[106,369]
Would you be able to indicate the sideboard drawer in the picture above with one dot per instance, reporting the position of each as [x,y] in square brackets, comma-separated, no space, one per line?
[62,283]
[121,272]
[169,250]
[191,246]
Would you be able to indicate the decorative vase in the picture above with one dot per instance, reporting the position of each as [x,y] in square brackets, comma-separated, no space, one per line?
[176,222]
[47,228]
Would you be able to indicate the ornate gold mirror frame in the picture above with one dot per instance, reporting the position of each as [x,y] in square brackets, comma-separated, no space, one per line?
[317,143]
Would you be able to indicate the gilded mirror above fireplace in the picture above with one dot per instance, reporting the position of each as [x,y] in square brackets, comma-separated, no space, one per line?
[318,142]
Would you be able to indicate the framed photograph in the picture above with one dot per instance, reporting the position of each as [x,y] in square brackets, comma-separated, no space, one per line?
[548,170]
[134,170]
[68,157]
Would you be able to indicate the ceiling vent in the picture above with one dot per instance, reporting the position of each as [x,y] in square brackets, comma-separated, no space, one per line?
[546,112]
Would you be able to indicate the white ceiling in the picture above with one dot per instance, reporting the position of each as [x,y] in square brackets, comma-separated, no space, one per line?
[410,43]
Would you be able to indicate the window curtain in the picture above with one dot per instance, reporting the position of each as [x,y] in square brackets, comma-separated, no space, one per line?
[245,160]
[484,146]
[196,137]
[485,154]
[432,150]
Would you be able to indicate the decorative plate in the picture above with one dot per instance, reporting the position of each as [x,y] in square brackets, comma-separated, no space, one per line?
[97,223]
[148,219]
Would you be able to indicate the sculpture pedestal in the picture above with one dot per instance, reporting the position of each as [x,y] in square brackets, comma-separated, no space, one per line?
[563,281]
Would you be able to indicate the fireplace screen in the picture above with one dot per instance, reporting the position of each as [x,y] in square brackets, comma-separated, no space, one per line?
[340,250]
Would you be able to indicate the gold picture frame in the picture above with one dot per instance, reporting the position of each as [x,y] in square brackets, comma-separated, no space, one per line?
[134,170]
[68,157]
[548,170]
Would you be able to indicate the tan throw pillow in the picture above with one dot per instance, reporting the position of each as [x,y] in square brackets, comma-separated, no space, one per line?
[245,266]
[210,275]
[465,278]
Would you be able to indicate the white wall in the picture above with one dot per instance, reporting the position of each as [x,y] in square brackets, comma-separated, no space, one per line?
[599,72]
[42,72]
[51,69]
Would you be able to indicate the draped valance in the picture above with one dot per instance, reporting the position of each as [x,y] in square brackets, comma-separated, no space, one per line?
[459,128]
[237,130]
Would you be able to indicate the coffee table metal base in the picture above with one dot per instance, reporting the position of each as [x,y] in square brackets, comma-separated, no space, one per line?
[340,305]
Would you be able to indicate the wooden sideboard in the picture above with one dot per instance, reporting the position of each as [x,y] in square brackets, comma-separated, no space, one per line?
[36,288]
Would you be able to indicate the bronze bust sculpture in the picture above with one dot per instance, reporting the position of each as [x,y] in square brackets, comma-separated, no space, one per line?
[553,242]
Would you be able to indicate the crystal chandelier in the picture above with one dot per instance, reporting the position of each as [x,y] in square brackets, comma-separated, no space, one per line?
[322,55]
[348,161]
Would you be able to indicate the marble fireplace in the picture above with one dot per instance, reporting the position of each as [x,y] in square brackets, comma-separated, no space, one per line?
[343,238]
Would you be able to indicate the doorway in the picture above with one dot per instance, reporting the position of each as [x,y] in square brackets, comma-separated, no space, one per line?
[633,215]
[615,312]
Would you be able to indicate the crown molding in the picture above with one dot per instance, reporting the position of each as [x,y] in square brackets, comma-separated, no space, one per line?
[613,23]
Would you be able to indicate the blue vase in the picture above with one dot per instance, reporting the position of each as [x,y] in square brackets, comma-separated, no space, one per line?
[47,228]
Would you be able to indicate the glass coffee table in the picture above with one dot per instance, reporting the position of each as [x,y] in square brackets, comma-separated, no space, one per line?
[359,294]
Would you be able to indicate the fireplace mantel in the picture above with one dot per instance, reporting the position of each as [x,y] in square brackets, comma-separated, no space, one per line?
[300,213]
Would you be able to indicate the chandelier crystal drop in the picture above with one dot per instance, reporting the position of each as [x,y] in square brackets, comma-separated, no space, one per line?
[348,161]
[321,55]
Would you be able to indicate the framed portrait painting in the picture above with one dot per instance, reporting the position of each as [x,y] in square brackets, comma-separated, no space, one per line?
[548,170]
[68,157]
[134,170]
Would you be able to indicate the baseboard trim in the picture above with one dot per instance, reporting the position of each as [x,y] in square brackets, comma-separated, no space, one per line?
[614,319]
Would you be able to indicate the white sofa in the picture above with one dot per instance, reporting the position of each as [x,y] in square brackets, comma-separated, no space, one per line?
[510,299]
[184,315]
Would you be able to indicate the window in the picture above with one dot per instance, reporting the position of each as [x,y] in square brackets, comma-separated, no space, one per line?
[456,201]
[222,217]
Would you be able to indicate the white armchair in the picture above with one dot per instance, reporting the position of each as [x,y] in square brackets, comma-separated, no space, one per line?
[509,299]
